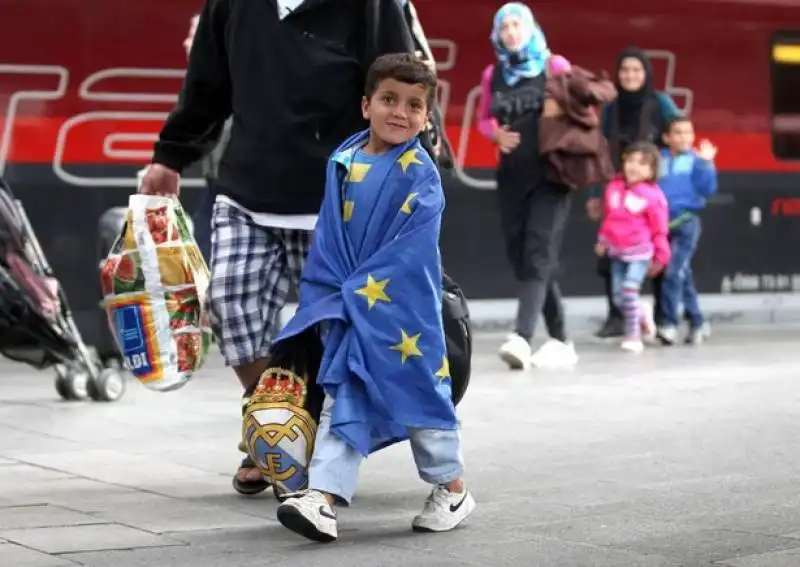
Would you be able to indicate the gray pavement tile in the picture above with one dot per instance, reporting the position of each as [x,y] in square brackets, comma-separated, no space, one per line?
[613,530]
[85,538]
[17,439]
[116,467]
[698,546]
[174,515]
[533,551]
[26,474]
[42,516]
[75,493]
[12,555]
[785,558]
[276,547]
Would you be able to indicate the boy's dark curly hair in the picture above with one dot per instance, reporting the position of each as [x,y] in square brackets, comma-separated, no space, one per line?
[402,67]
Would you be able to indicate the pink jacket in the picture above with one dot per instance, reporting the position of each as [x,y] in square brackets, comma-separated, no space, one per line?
[635,223]
[486,123]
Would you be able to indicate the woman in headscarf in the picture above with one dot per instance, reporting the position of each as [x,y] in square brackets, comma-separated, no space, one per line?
[640,113]
[533,210]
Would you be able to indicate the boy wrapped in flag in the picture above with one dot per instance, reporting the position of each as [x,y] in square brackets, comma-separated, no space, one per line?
[372,287]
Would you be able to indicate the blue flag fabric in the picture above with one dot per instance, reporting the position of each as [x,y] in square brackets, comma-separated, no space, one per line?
[373,284]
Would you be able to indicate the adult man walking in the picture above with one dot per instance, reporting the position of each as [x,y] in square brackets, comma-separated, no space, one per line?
[291,74]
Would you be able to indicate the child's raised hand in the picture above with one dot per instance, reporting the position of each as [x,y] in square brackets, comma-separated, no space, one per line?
[707,151]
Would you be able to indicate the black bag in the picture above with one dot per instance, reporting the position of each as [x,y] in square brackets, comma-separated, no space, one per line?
[458,336]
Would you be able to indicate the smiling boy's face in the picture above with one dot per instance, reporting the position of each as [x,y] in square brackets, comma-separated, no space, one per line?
[397,111]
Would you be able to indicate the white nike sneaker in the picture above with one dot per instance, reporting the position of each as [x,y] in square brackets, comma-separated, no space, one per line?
[309,515]
[516,352]
[444,510]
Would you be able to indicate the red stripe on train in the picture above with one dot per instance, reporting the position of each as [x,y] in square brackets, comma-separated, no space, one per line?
[36,140]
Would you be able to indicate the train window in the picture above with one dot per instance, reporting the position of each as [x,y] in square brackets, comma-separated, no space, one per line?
[785,94]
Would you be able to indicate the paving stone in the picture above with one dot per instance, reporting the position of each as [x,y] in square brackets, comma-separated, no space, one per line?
[174,515]
[786,558]
[85,538]
[42,516]
[708,546]
[21,473]
[12,555]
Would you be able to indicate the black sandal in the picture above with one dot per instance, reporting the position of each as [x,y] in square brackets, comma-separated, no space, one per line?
[251,487]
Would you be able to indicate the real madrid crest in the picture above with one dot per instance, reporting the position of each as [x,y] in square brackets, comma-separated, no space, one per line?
[278,430]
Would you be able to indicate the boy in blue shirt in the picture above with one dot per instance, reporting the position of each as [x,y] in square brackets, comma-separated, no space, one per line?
[372,287]
[688,178]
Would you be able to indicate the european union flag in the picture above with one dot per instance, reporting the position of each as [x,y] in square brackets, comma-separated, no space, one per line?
[373,283]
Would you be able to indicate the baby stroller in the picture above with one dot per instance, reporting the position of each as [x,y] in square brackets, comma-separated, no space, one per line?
[36,325]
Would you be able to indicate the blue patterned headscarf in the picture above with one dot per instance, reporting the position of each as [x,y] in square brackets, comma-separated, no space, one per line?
[531,58]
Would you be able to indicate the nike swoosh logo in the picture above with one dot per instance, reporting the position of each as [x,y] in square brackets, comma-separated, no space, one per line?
[325,514]
[454,507]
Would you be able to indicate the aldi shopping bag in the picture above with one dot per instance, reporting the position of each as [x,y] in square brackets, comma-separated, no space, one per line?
[154,282]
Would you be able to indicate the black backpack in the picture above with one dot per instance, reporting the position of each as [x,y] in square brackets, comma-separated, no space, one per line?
[458,336]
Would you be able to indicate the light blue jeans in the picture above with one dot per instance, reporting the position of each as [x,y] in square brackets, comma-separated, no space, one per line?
[334,465]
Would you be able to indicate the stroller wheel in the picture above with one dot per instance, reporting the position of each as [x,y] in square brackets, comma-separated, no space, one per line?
[108,387]
[71,383]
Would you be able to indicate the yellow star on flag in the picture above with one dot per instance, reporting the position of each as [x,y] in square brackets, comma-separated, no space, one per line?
[406,206]
[374,291]
[444,371]
[408,158]
[347,210]
[407,346]
[358,171]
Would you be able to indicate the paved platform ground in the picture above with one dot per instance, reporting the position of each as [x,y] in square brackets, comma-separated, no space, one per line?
[679,457]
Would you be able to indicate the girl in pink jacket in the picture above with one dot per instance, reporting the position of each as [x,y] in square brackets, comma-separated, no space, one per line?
[634,233]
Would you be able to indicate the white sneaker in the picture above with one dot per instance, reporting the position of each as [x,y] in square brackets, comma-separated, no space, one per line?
[309,515]
[668,334]
[554,355]
[516,352]
[647,321]
[444,510]
[633,345]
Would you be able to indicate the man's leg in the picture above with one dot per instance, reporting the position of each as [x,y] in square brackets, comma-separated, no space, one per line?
[297,244]
[248,288]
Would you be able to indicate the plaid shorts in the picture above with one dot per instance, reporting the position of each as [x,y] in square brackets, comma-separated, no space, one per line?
[252,268]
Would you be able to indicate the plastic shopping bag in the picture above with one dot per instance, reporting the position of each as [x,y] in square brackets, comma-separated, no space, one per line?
[154,283]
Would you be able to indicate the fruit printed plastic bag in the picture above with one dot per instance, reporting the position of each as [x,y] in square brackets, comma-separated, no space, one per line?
[154,282]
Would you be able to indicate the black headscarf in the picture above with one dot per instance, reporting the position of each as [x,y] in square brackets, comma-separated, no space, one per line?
[632,114]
